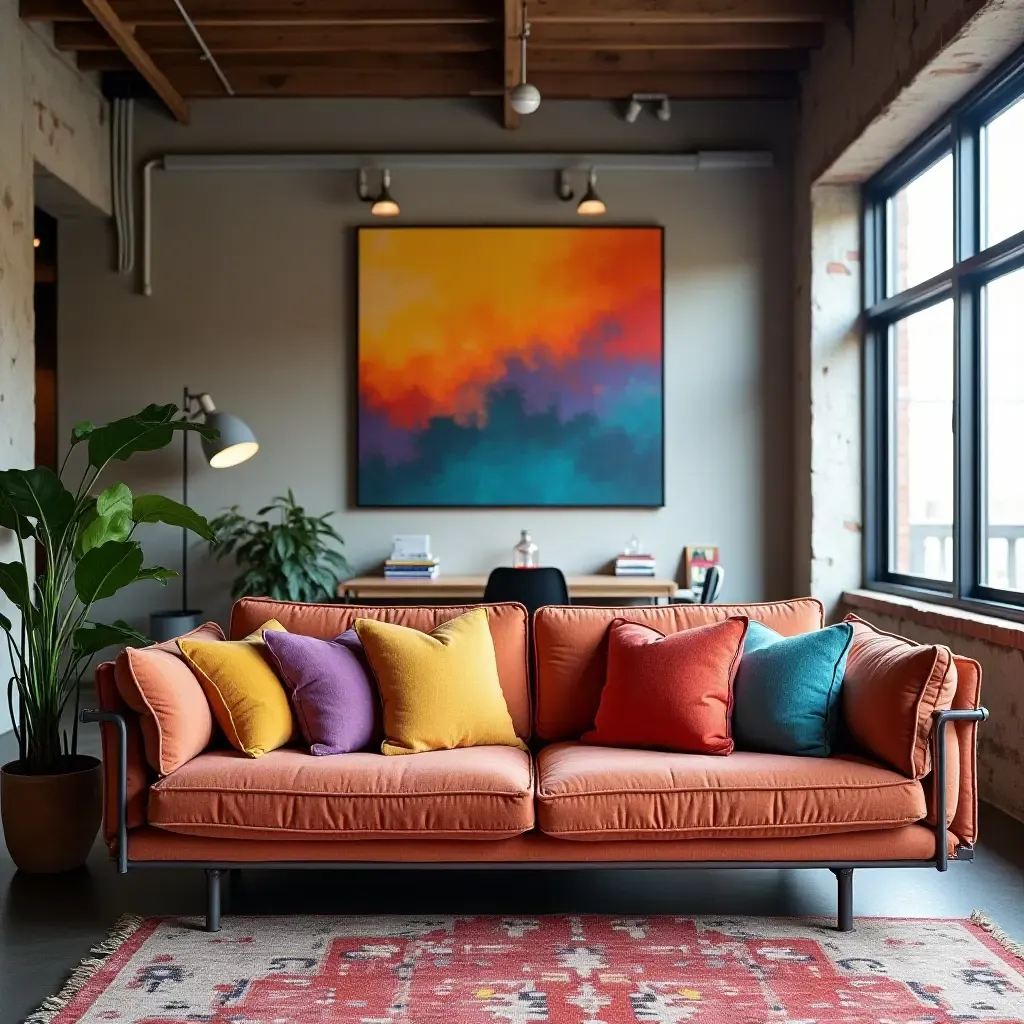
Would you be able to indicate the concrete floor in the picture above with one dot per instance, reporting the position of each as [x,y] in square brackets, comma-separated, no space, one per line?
[48,923]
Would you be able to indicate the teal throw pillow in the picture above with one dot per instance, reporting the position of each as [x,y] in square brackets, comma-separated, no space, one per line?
[786,694]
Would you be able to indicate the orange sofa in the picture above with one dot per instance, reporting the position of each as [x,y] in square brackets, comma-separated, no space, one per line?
[564,805]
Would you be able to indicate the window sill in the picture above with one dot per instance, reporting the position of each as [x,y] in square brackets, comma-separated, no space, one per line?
[1003,632]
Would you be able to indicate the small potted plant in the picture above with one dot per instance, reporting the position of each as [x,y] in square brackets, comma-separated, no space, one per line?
[50,797]
[293,559]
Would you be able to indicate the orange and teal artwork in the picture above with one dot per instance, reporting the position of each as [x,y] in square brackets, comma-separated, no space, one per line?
[516,367]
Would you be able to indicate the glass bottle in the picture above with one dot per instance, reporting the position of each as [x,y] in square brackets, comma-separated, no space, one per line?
[526,554]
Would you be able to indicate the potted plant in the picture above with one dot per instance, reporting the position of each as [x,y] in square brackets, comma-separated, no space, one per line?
[293,559]
[50,796]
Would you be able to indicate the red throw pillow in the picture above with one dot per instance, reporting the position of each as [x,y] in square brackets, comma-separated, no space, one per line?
[669,692]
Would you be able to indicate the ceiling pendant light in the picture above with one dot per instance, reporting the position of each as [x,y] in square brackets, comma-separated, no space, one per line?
[591,205]
[524,98]
[385,204]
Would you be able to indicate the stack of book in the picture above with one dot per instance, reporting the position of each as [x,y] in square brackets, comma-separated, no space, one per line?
[411,569]
[411,559]
[634,565]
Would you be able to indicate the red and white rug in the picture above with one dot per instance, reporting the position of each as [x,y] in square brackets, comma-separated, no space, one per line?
[560,969]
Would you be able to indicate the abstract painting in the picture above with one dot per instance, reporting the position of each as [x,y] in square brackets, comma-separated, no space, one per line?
[517,367]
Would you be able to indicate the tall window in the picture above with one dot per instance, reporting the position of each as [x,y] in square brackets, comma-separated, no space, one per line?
[944,346]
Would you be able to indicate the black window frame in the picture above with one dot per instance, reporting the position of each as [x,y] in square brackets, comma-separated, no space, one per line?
[959,133]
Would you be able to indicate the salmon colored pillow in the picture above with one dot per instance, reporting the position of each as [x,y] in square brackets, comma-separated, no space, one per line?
[890,689]
[669,692]
[174,715]
[247,699]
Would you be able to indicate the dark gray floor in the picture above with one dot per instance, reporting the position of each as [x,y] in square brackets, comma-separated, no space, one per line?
[48,923]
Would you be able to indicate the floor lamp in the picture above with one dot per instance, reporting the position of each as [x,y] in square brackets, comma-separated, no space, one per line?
[234,443]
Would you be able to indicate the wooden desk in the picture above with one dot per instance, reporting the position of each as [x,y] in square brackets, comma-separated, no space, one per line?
[471,588]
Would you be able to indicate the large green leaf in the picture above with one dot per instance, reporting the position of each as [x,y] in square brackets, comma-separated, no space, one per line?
[98,636]
[116,498]
[146,431]
[103,530]
[158,573]
[105,570]
[14,583]
[38,494]
[154,508]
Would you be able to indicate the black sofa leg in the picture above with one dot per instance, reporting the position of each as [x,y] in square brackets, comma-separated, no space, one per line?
[844,876]
[213,876]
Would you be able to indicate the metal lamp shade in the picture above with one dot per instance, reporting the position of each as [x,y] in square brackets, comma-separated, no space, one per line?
[235,443]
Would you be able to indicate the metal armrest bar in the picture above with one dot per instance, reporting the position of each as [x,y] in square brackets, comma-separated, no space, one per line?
[941,720]
[113,718]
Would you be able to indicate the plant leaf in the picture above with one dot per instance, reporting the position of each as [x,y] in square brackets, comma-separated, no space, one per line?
[158,573]
[149,430]
[105,570]
[14,583]
[116,498]
[5,623]
[97,637]
[154,508]
[80,431]
[38,494]
[104,529]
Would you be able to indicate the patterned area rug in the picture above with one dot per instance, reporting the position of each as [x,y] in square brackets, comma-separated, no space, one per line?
[560,969]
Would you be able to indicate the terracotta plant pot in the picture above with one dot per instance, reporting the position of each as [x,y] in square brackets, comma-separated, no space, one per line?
[51,821]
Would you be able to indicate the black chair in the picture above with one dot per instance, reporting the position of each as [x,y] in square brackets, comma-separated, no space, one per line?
[713,580]
[531,587]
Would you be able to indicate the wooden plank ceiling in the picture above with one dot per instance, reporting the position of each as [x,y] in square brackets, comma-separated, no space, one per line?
[578,49]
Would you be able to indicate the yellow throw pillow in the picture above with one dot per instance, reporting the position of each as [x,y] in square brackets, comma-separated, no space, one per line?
[245,695]
[439,690]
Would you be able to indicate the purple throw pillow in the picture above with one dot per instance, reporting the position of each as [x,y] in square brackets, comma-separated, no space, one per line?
[332,690]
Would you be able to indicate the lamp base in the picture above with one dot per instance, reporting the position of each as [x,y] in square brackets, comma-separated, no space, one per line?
[168,625]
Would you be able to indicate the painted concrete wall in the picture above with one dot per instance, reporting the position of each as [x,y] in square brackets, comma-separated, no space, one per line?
[50,117]
[253,301]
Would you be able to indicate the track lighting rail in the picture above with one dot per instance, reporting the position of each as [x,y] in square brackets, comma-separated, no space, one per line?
[605,163]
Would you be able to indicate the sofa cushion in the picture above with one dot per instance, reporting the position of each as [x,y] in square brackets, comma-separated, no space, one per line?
[669,692]
[469,793]
[595,793]
[440,690]
[507,623]
[570,648]
[891,688]
[157,684]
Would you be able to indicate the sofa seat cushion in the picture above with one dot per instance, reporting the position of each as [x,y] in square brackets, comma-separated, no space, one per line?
[593,793]
[470,793]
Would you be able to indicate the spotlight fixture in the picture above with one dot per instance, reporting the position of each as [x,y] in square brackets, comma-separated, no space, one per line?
[524,98]
[636,105]
[591,205]
[384,204]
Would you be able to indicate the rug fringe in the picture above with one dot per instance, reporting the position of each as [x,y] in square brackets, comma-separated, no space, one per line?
[91,965]
[986,924]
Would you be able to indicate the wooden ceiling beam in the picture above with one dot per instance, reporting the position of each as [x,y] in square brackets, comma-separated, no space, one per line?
[650,36]
[648,62]
[125,41]
[688,11]
[263,39]
[271,12]
[682,86]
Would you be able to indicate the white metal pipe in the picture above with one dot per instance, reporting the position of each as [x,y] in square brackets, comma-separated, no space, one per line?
[147,224]
[197,35]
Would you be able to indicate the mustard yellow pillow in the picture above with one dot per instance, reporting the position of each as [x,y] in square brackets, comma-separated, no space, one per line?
[247,699]
[439,690]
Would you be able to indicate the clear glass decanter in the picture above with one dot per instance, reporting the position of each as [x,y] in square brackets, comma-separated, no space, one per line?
[526,554]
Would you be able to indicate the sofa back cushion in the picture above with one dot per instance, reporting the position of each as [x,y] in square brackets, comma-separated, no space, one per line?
[507,623]
[571,648]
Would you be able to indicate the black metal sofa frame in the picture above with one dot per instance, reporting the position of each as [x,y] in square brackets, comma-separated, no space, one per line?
[843,870]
